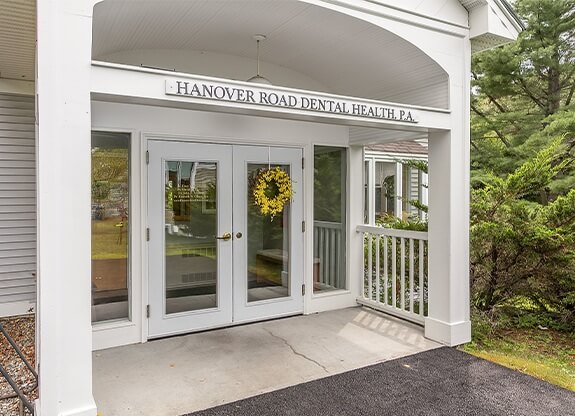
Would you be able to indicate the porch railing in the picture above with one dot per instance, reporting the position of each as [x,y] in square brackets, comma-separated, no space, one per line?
[395,272]
[329,265]
[18,392]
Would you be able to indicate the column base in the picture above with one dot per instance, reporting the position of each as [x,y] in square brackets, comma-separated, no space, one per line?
[89,410]
[450,334]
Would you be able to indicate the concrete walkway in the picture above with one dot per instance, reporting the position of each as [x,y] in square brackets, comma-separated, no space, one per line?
[183,374]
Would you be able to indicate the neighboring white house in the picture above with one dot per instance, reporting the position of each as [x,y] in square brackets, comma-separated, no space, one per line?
[392,183]
[132,133]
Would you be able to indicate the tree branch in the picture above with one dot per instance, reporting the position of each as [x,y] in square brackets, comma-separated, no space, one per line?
[536,100]
[499,134]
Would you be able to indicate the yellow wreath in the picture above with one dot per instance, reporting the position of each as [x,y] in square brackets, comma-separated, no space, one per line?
[272,190]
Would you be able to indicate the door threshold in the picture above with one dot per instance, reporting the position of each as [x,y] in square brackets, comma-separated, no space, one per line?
[230,325]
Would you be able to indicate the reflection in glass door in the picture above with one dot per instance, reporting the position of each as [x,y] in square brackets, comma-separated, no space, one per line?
[268,242]
[191,227]
[189,200]
[268,251]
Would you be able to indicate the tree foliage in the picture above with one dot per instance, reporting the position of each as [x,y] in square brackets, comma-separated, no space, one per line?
[521,248]
[523,93]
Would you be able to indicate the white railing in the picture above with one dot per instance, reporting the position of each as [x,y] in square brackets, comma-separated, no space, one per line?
[395,272]
[329,264]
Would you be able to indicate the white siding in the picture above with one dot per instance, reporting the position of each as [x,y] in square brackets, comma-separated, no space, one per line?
[17,199]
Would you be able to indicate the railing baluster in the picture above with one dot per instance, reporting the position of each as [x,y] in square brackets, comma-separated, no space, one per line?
[385,271]
[340,273]
[323,259]
[337,257]
[411,275]
[369,265]
[317,255]
[326,256]
[322,256]
[377,273]
[332,256]
[393,272]
[421,286]
[329,256]
[402,281]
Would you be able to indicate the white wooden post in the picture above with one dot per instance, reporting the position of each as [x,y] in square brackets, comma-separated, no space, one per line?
[370,180]
[398,190]
[64,331]
[448,318]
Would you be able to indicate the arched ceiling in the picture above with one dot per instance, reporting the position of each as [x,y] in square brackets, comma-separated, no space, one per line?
[341,54]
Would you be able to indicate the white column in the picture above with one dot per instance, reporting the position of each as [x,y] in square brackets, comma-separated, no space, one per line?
[64,333]
[355,216]
[448,321]
[398,208]
[370,181]
[424,193]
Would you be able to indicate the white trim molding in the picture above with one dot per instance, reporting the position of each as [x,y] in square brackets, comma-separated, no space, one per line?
[450,334]
[17,308]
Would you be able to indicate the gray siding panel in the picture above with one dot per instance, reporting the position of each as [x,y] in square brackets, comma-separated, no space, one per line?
[17,199]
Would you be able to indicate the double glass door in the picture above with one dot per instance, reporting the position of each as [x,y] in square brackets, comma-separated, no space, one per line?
[213,257]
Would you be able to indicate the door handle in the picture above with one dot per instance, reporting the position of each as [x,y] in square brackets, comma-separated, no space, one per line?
[239,235]
[225,237]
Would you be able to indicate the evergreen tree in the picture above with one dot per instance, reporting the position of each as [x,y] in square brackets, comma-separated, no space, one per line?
[523,94]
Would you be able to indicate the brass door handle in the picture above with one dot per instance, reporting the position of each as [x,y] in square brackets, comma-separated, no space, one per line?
[225,237]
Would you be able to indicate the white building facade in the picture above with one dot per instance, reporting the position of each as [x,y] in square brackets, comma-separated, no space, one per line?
[139,190]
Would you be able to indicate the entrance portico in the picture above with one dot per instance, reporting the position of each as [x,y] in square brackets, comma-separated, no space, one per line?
[345,74]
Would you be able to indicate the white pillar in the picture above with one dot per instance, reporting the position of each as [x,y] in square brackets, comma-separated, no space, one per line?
[448,318]
[355,216]
[448,315]
[64,341]
[398,202]
[370,181]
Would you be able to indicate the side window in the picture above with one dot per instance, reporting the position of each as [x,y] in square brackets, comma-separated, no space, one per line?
[110,226]
[330,210]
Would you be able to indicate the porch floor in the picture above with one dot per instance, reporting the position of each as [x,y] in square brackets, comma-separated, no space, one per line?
[175,376]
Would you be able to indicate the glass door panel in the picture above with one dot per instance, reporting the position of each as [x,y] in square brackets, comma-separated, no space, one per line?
[268,252]
[268,242]
[189,209]
[191,227]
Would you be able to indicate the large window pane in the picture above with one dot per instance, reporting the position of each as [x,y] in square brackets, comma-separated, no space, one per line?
[329,231]
[110,225]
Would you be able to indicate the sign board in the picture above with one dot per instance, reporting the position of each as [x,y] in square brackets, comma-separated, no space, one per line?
[261,96]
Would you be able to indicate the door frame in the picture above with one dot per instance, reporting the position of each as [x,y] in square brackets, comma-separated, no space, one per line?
[146,138]
[161,324]
[243,310]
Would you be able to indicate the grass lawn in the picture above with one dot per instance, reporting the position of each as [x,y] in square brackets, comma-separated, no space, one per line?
[546,354]
[109,239]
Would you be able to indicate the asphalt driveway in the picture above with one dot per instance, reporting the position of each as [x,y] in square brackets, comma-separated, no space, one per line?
[443,382]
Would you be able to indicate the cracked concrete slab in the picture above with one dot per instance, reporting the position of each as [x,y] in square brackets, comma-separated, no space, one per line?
[183,374]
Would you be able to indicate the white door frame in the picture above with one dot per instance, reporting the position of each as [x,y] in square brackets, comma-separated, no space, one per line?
[244,312]
[160,323]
